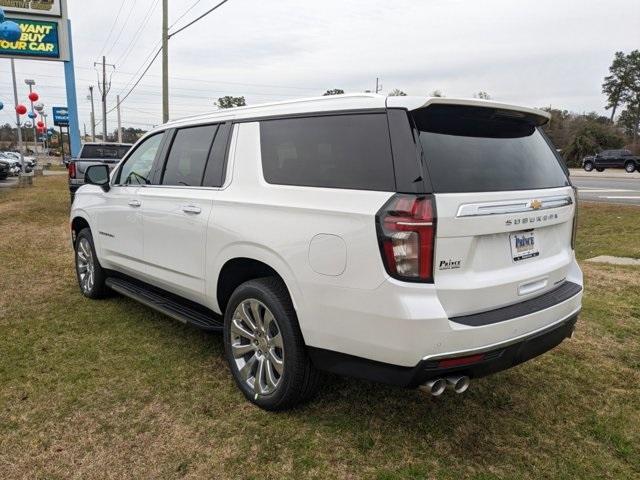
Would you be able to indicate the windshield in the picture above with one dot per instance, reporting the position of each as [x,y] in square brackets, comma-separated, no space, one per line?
[478,149]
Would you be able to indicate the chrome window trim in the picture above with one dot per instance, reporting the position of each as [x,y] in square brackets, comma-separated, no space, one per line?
[512,206]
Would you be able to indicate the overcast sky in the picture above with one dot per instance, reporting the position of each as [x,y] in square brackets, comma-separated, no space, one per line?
[531,52]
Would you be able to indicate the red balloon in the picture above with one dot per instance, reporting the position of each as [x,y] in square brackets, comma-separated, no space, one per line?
[40,124]
[21,109]
[33,96]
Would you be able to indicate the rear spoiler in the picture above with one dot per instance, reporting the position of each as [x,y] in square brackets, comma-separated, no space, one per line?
[539,117]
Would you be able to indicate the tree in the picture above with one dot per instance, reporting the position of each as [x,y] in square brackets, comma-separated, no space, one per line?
[333,91]
[616,85]
[397,93]
[631,96]
[482,95]
[590,137]
[230,102]
[436,93]
[629,121]
[130,134]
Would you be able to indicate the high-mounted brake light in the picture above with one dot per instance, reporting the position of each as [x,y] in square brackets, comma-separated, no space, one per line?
[406,232]
[72,169]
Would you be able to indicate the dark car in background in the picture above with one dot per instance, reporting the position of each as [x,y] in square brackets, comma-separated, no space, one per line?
[4,169]
[612,159]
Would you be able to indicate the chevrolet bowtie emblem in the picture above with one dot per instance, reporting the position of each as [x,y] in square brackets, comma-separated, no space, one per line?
[536,204]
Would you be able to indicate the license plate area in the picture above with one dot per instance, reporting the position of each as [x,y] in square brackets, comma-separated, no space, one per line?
[523,245]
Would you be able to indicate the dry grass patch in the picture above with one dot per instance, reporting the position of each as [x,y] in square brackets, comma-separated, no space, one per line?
[111,389]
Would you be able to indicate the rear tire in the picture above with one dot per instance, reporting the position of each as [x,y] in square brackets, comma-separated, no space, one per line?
[630,167]
[264,346]
[599,169]
[588,166]
[90,274]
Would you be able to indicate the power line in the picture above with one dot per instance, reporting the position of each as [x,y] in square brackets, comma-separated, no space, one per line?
[124,24]
[112,28]
[138,81]
[184,13]
[198,19]
[137,35]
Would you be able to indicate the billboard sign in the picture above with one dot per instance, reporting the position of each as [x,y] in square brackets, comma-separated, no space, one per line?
[45,8]
[39,39]
[61,116]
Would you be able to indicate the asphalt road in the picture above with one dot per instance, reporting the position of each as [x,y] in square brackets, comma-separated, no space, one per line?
[616,189]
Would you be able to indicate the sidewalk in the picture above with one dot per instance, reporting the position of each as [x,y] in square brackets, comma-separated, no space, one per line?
[609,173]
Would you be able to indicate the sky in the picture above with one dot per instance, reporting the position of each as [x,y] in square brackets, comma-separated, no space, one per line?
[532,52]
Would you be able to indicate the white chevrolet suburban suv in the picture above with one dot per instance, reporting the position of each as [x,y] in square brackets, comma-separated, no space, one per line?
[420,242]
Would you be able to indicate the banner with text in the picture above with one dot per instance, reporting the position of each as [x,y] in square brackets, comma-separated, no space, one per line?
[38,39]
[47,8]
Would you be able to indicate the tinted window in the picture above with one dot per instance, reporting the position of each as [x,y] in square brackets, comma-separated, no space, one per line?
[340,151]
[188,156]
[470,149]
[137,168]
[214,173]
[105,152]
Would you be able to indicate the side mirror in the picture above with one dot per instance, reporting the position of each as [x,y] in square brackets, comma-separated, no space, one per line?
[97,175]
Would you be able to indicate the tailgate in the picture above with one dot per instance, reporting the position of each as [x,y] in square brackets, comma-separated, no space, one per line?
[497,249]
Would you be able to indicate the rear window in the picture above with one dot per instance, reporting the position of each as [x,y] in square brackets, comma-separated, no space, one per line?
[105,152]
[471,149]
[334,151]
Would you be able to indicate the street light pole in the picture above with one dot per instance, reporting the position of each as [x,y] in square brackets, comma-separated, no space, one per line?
[15,97]
[31,83]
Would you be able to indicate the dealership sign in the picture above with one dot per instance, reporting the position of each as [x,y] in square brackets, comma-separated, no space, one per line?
[61,116]
[37,39]
[47,8]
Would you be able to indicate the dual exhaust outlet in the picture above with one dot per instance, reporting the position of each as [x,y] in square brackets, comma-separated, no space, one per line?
[437,386]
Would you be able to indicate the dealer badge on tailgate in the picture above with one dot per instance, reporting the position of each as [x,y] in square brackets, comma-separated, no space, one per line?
[523,245]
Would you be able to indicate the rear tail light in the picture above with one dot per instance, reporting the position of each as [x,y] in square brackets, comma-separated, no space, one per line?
[406,232]
[72,169]
[575,218]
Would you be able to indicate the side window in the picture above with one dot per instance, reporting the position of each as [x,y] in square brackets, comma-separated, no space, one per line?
[188,156]
[333,151]
[137,168]
[216,165]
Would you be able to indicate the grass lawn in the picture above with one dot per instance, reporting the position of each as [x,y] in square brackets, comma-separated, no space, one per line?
[111,389]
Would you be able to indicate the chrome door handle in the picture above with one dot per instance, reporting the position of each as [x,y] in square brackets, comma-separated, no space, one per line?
[134,203]
[191,209]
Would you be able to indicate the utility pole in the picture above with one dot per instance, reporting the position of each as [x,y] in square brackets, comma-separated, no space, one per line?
[378,85]
[93,115]
[104,91]
[119,122]
[165,61]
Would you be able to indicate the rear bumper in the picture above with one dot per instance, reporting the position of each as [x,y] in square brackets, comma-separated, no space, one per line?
[494,359]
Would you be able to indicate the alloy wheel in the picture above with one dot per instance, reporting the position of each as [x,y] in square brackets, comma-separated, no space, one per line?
[257,346]
[85,265]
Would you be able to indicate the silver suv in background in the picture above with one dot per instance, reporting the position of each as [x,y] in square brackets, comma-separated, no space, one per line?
[94,154]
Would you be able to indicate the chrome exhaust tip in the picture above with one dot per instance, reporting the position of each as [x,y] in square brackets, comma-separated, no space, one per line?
[435,387]
[458,384]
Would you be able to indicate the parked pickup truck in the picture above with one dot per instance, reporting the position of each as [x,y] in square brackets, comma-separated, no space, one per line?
[612,159]
[94,154]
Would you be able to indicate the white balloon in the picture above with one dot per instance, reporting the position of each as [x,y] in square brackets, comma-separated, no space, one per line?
[39,106]
[28,124]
